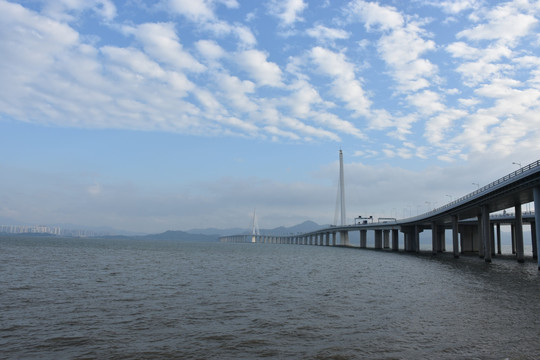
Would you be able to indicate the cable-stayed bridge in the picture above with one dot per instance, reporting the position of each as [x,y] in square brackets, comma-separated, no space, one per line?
[473,229]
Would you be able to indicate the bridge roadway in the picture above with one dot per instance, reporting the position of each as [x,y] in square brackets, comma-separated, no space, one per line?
[473,229]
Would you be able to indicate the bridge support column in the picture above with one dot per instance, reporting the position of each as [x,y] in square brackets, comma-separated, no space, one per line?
[441,235]
[519,234]
[395,240]
[486,238]
[533,240]
[327,236]
[434,239]
[344,238]
[536,195]
[480,231]
[409,234]
[378,239]
[492,238]
[455,236]
[417,232]
[513,234]
[406,240]
[498,230]
[334,238]
[386,239]
[363,239]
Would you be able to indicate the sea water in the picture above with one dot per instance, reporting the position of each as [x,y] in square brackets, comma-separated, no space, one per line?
[139,299]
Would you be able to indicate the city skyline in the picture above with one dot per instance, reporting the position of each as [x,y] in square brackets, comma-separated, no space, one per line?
[176,114]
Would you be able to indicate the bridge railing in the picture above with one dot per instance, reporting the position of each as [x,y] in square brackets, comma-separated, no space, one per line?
[483,189]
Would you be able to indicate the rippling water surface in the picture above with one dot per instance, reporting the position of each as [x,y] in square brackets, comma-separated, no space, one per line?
[131,299]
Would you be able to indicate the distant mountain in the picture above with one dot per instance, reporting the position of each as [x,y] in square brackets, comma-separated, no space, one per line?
[218,232]
[306,226]
[181,236]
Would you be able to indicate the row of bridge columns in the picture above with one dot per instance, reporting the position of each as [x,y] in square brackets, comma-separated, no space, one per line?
[326,238]
[479,237]
[389,238]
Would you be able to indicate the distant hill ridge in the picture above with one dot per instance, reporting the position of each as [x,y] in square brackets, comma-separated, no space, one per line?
[306,226]
[201,235]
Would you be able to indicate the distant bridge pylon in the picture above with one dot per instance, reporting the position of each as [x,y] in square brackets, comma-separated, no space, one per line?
[255,231]
[340,203]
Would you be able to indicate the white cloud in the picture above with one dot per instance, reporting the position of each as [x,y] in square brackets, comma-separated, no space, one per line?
[345,85]
[436,127]
[68,10]
[210,49]
[504,23]
[427,102]
[231,4]
[134,60]
[274,130]
[456,6]
[302,97]
[236,90]
[309,131]
[402,49]
[245,35]
[288,11]
[334,122]
[321,32]
[374,15]
[400,45]
[160,41]
[195,10]
[463,50]
[264,72]
[211,105]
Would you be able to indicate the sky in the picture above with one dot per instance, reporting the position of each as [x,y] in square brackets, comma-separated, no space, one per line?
[149,116]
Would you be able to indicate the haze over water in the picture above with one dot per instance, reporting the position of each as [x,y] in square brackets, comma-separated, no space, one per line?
[134,299]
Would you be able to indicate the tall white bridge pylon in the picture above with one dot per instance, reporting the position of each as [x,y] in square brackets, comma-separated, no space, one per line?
[340,202]
[255,231]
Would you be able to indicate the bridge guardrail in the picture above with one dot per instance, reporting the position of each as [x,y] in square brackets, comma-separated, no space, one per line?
[487,187]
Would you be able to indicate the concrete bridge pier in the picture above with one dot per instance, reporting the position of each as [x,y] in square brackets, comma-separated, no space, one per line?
[395,240]
[533,240]
[480,231]
[455,236]
[513,235]
[519,234]
[411,238]
[378,239]
[327,239]
[344,238]
[417,231]
[386,239]
[334,238]
[492,239]
[498,231]
[486,238]
[434,239]
[536,196]
[363,239]
[441,235]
